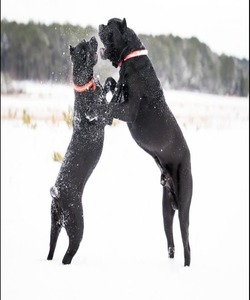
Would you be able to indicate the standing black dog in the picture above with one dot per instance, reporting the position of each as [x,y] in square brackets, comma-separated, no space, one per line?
[83,152]
[139,100]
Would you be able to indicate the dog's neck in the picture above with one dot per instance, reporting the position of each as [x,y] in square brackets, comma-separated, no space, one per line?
[132,54]
[130,46]
[81,75]
[83,79]
[82,88]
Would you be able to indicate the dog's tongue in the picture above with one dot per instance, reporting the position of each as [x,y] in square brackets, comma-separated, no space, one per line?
[102,53]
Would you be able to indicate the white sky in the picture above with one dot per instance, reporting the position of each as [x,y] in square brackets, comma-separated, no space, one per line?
[222,24]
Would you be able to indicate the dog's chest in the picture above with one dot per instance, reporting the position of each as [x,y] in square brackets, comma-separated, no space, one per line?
[85,108]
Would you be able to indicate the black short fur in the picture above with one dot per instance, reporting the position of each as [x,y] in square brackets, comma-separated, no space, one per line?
[83,152]
[139,101]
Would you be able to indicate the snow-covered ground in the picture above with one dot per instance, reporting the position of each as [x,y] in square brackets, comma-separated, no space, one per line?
[123,254]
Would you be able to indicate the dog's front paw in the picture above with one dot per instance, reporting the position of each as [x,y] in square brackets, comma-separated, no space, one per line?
[91,118]
[108,120]
[109,85]
[91,115]
[120,98]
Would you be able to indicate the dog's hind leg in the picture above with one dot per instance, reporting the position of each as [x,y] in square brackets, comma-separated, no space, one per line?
[56,225]
[185,194]
[74,227]
[168,216]
[164,174]
[167,182]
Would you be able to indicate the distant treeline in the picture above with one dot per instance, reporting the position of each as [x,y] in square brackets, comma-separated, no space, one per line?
[41,52]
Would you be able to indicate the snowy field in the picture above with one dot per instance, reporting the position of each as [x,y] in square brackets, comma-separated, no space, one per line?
[123,255]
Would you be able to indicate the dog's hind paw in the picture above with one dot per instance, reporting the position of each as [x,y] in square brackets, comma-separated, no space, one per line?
[171,251]
[67,259]
[49,257]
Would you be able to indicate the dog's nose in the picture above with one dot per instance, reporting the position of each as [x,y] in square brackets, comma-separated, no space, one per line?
[101,27]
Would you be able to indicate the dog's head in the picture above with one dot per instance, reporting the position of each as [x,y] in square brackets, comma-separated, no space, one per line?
[118,40]
[84,55]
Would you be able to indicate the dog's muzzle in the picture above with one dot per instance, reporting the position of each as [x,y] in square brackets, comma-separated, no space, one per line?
[103,32]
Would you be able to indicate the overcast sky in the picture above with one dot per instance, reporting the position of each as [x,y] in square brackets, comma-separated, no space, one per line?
[222,24]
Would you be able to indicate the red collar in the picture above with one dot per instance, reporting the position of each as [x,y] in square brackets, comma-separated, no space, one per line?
[134,54]
[87,86]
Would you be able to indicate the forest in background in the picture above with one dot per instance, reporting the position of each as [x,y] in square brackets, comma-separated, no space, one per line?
[36,51]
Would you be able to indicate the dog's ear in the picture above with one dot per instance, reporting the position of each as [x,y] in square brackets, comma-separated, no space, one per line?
[93,43]
[124,23]
[71,49]
[124,29]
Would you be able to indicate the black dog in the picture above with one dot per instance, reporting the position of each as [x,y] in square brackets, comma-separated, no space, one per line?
[83,152]
[139,100]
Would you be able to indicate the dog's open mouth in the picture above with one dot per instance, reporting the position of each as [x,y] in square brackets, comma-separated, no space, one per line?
[103,53]
[96,58]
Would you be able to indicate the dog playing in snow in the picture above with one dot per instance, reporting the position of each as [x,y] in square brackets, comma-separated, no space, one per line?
[139,101]
[84,149]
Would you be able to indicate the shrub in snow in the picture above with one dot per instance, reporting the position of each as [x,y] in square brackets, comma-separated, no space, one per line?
[27,120]
[68,117]
[57,156]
